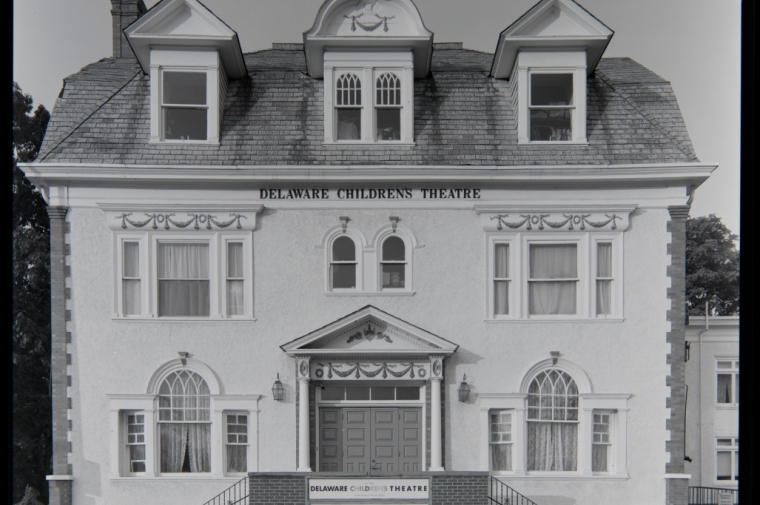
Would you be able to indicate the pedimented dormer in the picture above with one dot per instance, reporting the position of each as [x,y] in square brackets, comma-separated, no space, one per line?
[190,54]
[368,52]
[370,333]
[549,52]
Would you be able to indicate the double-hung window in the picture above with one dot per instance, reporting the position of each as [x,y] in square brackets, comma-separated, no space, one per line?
[388,107]
[135,442]
[343,264]
[393,264]
[727,382]
[183,280]
[236,425]
[551,107]
[601,443]
[131,288]
[604,279]
[727,459]
[553,279]
[501,440]
[348,107]
[184,108]
[501,279]
[235,279]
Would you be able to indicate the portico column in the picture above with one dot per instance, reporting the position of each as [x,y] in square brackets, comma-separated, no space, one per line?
[435,424]
[303,416]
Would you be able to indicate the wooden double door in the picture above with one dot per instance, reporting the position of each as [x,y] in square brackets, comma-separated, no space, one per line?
[370,440]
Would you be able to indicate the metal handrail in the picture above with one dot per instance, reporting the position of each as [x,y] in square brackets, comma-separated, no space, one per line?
[699,495]
[505,495]
[234,495]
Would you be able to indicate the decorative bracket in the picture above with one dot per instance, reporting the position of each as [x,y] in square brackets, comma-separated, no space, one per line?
[394,222]
[183,357]
[344,222]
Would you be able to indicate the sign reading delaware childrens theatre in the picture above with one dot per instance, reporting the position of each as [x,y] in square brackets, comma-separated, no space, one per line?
[388,489]
[370,194]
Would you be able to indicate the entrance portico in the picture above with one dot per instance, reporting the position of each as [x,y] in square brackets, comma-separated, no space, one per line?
[378,384]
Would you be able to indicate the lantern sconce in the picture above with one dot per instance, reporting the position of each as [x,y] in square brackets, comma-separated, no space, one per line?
[394,222]
[464,390]
[555,357]
[277,389]
[183,357]
[344,222]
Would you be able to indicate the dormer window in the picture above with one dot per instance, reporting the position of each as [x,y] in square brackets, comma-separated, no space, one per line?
[551,107]
[388,107]
[348,107]
[183,106]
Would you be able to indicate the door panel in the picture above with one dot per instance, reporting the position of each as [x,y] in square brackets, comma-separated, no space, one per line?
[330,440]
[356,440]
[410,428]
[384,440]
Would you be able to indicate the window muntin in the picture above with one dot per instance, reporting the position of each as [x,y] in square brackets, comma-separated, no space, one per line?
[552,422]
[343,264]
[341,393]
[604,278]
[184,108]
[184,422]
[601,444]
[388,107]
[135,442]
[237,442]
[553,279]
[727,382]
[393,263]
[501,440]
[551,107]
[501,279]
[131,302]
[348,107]
[183,279]
[727,459]
[235,279]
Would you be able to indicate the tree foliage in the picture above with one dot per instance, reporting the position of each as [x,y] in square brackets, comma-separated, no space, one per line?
[712,267]
[32,444]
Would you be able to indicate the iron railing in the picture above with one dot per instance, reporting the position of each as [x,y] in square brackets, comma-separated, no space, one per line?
[505,495]
[711,495]
[236,494]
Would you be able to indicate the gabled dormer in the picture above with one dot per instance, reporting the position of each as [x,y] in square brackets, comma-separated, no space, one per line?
[548,53]
[189,54]
[368,53]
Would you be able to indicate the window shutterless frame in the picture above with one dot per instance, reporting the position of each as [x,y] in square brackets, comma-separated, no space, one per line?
[726,460]
[551,106]
[727,382]
[184,105]
[387,110]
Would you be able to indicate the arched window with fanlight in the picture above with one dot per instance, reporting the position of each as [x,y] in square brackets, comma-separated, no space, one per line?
[388,107]
[184,421]
[393,263]
[552,422]
[343,263]
[348,107]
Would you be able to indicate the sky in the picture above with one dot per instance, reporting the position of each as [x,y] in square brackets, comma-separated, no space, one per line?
[694,44]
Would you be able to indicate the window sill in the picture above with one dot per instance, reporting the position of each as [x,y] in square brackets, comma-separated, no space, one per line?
[370,293]
[167,478]
[183,142]
[726,406]
[555,476]
[558,320]
[553,143]
[359,143]
[204,320]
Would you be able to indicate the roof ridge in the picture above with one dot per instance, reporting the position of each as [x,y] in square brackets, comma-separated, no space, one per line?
[653,120]
[89,115]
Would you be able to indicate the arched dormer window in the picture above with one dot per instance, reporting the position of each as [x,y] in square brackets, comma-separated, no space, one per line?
[388,107]
[343,263]
[184,418]
[552,422]
[393,263]
[348,107]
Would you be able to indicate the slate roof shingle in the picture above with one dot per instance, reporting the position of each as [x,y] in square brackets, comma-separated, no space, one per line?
[275,116]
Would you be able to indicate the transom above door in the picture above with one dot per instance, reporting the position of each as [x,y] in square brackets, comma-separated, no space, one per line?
[379,440]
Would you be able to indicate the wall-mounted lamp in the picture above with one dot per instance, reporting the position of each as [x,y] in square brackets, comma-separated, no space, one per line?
[183,357]
[277,389]
[464,390]
[344,222]
[394,222]
[555,357]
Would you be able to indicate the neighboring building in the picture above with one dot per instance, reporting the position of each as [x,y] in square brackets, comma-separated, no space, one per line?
[712,414]
[367,218]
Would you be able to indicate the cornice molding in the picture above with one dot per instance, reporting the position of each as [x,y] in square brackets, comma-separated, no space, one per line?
[495,218]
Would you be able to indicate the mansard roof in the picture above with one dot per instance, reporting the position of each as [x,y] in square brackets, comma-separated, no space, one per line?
[275,116]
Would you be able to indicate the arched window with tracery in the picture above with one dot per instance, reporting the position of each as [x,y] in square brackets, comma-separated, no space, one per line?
[553,422]
[348,104]
[343,263]
[388,107]
[184,419]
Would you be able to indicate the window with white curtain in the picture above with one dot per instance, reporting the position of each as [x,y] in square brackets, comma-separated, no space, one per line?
[553,279]
[184,420]
[727,381]
[727,459]
[236,426]
[348,107]
[501,280]
[183,280]
[552,443]
[603,279]
[135,442]
[602,442]
[131,287]
[393,263]
[235,279]
[501,440]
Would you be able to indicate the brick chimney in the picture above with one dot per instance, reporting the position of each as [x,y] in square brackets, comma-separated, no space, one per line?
[124,13]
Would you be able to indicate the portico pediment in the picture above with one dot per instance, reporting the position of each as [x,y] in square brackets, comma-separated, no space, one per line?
[370,332]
